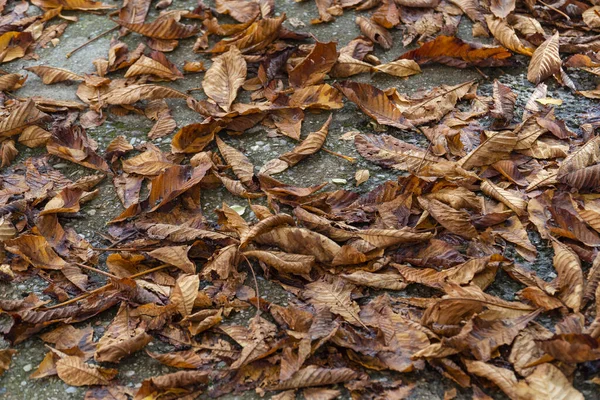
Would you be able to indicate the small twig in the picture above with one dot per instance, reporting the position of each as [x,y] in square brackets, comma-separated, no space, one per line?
[98,271]
[347,158]
[556,9]
[448,91]
[482,74]
[114,28]
[255,284]
[108,285]
[119,249]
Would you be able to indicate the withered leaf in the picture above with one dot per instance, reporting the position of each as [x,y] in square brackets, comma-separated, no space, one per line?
[336,296]
[176,256]
[545,60]
[313,143]
[242,167]
[315,376]
[73,371]
[504,102]
[315,66]
[84,5]
[164,28]
[52,75]
[570,275]
[224,77]
[184,293]
[496,147]
[375,32]
[22,116]
[399,68]
[6,356]
[373,102]
[135,93]
[452,51]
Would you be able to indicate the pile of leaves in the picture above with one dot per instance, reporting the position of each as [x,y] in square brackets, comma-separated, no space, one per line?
[462,210]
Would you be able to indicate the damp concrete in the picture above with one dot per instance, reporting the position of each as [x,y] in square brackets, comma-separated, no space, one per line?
[260,148]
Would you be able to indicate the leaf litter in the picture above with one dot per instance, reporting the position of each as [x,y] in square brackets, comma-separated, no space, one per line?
[463,210]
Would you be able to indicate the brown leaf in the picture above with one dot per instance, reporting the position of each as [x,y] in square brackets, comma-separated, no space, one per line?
[580,169]
[149,66]
[10,82]
[502,8]
[399,68]
[176,256]
[6,356]
[36,251]
[504,102]
[73,144]
[84,5]
[193,138]
[315,376]
[312,69]
[386,280]
[224,77]
[164,28]
[22,116]
[570,275]
[242,167]
[504,378]
[67,201]
[52,75]
[347,65]
[390,152]
[506,36]
[283,262]
[312,144]
[73,371]
[572,347]
[375,32]
[134,93]
[545,61]
[496,147]
[509,198]
[14,45]
[455,221]
[335,295]
[184,293]
[8,152]
[122,338]
[452,51]
[374,103]
[255,38]
[547,381]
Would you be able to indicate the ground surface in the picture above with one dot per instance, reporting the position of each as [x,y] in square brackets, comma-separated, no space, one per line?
[318,168]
